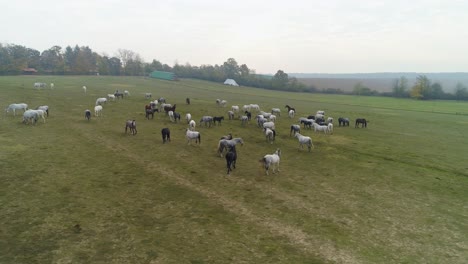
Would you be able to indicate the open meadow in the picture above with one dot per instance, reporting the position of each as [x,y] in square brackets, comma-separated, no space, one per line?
[78,191]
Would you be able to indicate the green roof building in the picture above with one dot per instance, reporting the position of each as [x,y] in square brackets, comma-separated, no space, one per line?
[170,76]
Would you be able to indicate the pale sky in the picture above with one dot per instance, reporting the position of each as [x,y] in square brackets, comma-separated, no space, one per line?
[329,36]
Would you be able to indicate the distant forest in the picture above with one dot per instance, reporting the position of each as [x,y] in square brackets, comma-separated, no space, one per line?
[17,59]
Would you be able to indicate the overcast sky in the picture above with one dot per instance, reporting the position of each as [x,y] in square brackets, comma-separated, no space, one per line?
[333,36]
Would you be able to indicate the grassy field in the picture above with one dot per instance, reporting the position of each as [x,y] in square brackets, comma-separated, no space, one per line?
[73,191]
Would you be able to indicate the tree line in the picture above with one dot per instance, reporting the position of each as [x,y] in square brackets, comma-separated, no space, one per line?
[82,60]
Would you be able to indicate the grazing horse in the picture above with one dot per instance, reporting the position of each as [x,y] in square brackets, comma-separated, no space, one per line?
[190,135]
[131,124]
[361,121]
[291,113]
[111,97]
[330,128]
[343,121]
[276,111]
[101,101]
[15,107]
[248,114]
[176,116]
[244,120]
[187,100]
[84,89]
[98,110]
[218,119]
[148,112]
[148,95]
[127,93]
[230,115]
[45,108]
[118,94]
[87,114]
[272,160]
[225,143]
[166,134]
[290,108]
[303,140]
[231,158]
[30,116]
[270,134]
[295,129]
[208,120]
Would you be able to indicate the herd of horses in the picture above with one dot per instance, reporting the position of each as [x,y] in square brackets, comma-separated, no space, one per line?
[226,145]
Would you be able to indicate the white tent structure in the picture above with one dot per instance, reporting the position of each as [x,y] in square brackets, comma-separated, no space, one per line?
[230,82]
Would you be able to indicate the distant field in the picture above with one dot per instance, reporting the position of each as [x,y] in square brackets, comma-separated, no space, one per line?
[74,191]
[377,84]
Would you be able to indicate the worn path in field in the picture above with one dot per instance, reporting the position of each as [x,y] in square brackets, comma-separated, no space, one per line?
[309,244]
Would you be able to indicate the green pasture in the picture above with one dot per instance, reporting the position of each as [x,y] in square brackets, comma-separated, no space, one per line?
[73,191]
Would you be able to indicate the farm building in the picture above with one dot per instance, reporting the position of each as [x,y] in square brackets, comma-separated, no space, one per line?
[170,76]
[230,82]
[29,71]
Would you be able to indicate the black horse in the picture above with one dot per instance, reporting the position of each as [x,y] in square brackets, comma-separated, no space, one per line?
[87,114]
[218,119]
[187,100]
[290,108]
[166,134]
[361,121]
[231,158]
[176,116]
[169,108]
[249,115]
[118,95]
[343,121]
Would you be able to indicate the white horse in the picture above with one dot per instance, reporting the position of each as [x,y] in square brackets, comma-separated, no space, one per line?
[272,118]
[15,107]
[330,128]
[320,128]
[188,117]
[111,97]
[291,113]
[246,108]
[30,116]
[40,113]
[126,93]
[101,101]
[190,135]
[330,120]
[255,106]
[303,140]
[192,124]
[244,120]
[270,125]
[84,89]
[171,115]
[148,95]
[223,103]
[235,108]
[52,85]
[317,116]
[269,135]
[272,160]
[98,110]
[276,111]
[40,85]
[320,112]
[45,108]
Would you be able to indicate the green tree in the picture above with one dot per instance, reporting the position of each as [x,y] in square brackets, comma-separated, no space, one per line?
[422,88]
[400,87]
[280,80]
[231,68]
[461,92]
